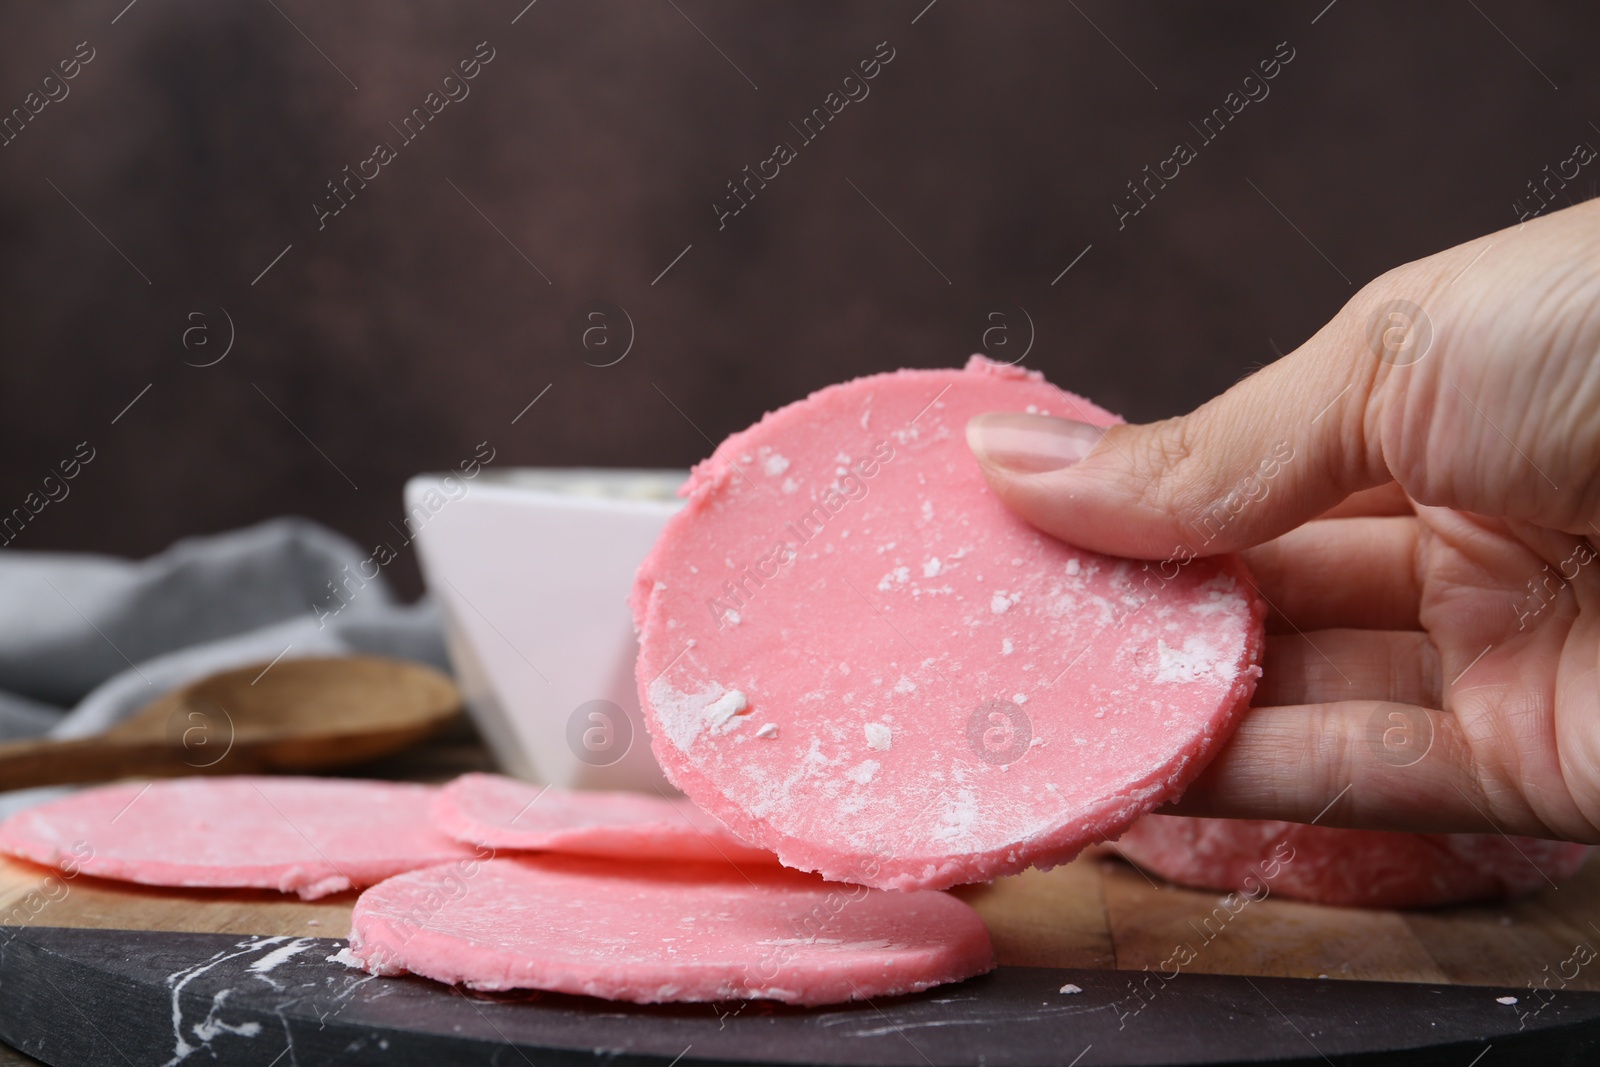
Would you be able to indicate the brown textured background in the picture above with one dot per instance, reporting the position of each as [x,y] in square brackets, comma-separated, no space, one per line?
[597,140]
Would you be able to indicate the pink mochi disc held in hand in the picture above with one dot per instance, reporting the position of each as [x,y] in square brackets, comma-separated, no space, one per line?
[653,933]
[505,813]
[311,836]
[852,654]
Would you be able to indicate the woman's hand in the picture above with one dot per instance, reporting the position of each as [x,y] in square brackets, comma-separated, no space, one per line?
[1417,489]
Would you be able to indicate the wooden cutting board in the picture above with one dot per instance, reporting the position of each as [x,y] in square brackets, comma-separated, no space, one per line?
[89,965]
[1094,914]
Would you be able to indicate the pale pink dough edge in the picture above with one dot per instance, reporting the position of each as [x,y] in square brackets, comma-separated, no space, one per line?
[1347,868]
[431,955]
[627,840]
[309,880]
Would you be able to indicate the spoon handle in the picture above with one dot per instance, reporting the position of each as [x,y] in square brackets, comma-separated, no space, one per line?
[25,764]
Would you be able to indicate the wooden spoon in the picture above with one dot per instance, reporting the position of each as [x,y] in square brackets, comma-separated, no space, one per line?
[300,714]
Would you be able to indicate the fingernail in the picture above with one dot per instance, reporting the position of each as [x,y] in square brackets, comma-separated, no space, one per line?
[1030,444]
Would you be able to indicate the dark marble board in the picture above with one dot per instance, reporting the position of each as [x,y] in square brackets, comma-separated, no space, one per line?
[85,996]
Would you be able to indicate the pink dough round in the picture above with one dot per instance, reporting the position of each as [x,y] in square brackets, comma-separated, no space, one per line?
[852,654]
[311,836]
[1353,868]
[506,813]
[653,933]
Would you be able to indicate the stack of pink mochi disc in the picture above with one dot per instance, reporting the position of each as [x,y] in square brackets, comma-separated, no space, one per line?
[495,883]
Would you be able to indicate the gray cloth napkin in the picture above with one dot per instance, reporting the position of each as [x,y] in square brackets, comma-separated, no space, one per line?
[87,640]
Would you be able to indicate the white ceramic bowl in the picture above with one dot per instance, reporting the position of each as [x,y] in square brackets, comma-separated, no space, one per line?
[532,570]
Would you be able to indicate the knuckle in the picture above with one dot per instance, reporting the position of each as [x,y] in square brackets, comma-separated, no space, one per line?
[1164,460]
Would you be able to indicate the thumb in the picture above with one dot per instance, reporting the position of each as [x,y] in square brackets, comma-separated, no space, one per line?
[1277,449]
